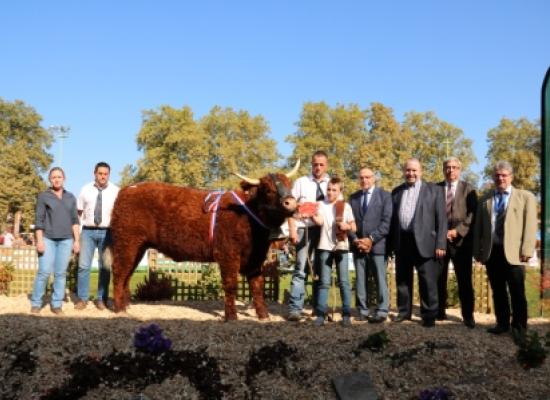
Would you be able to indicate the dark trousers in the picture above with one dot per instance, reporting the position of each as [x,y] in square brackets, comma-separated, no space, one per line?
[462,262]
[428,270]
[506,278]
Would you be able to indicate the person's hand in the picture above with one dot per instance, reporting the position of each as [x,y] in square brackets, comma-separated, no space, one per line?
[439,253]
[343,226]
[524,258]
[40,247]
[76,247]
[293,236]
[364,245]
[451,235]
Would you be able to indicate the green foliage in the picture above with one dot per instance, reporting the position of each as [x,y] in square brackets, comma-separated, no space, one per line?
[386,146]
[180,150]
[23,151]
[155,288]
[210,282]
[531,352]
[375,342]
[518,142]
[433,140]
[6,276]
[339,131]
[453,299]
[237,142]
[353,138]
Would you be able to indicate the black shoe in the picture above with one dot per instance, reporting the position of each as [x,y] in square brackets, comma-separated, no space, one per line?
[441,317]
[470,323]
[376,319]
[401,318]
[362,317]
[428,322]
[499,329]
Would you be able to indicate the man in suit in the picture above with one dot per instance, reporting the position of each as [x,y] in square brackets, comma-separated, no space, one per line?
[504,240]
[419,240]
[461,205]
[372,210]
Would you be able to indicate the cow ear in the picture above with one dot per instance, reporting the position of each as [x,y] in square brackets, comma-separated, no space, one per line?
[250,191]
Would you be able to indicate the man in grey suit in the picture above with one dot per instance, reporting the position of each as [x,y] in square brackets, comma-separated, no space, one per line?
[419,240]
[372,210]
[460,205]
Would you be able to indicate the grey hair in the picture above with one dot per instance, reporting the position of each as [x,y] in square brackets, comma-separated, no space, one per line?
[505,165]
[452,158]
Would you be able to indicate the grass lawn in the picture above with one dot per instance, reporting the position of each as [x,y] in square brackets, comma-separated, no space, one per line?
[137,277]
[532,285]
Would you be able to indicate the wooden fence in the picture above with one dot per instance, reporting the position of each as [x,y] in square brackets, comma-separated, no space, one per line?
[202,281]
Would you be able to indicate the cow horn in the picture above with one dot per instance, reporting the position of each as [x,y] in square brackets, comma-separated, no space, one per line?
[294,170]
[252,181]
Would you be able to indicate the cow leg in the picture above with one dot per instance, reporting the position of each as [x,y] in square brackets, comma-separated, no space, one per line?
[256,285]
[230,279]
[124,264]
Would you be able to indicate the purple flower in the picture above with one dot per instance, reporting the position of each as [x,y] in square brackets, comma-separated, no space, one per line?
[434,394]
[150,339]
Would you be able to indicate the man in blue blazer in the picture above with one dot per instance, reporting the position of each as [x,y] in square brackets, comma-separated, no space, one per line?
[419,240]
[372,210]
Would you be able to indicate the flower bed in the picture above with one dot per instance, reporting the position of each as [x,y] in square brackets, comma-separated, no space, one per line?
[91,354]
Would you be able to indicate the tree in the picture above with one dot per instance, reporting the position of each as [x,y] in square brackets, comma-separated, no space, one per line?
[374,138]
[174,148]
[237,142]
[518,142]
[177,149]
[24,158]
[386,146]
[340,131]
[433,140]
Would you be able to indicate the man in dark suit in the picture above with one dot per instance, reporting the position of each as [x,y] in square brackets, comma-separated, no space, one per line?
[372,210]
[461,205]
[419,239]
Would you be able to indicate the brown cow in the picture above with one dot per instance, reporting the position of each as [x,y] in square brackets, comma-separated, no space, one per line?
[175,220]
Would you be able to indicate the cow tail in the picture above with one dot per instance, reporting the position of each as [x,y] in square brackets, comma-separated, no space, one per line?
[108,256]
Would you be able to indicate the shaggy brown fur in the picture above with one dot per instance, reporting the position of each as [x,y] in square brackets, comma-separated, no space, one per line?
[172,220]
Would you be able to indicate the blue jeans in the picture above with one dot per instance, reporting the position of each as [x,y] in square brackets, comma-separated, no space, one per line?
[376,264]
[92,239]
[325,259]
[304,249]
[55,259]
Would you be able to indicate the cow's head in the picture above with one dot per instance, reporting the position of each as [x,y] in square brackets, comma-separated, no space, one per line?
[271,195]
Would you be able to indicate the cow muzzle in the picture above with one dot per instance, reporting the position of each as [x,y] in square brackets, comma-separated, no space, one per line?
[289,203]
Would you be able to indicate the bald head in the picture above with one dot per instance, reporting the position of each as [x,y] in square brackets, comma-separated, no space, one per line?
[412,171]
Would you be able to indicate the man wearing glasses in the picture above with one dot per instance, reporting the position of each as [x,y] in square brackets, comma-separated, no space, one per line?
[504,240]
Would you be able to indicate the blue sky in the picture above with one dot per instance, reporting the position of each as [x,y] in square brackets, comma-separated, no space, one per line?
[96,65]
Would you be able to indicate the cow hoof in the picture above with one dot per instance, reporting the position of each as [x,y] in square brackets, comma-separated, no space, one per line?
[230,318]
[264,318]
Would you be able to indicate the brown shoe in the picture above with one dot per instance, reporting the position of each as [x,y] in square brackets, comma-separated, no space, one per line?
[57,311]
[35,310]
[100,305]
[80,305]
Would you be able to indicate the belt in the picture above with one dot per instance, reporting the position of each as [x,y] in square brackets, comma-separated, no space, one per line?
[96,228]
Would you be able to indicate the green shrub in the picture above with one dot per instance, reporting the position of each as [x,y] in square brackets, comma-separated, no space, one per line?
[155,288]
[6,276]
[531,352]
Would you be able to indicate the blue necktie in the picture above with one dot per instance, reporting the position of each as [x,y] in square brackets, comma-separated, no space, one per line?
[365,204]
[500,215]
